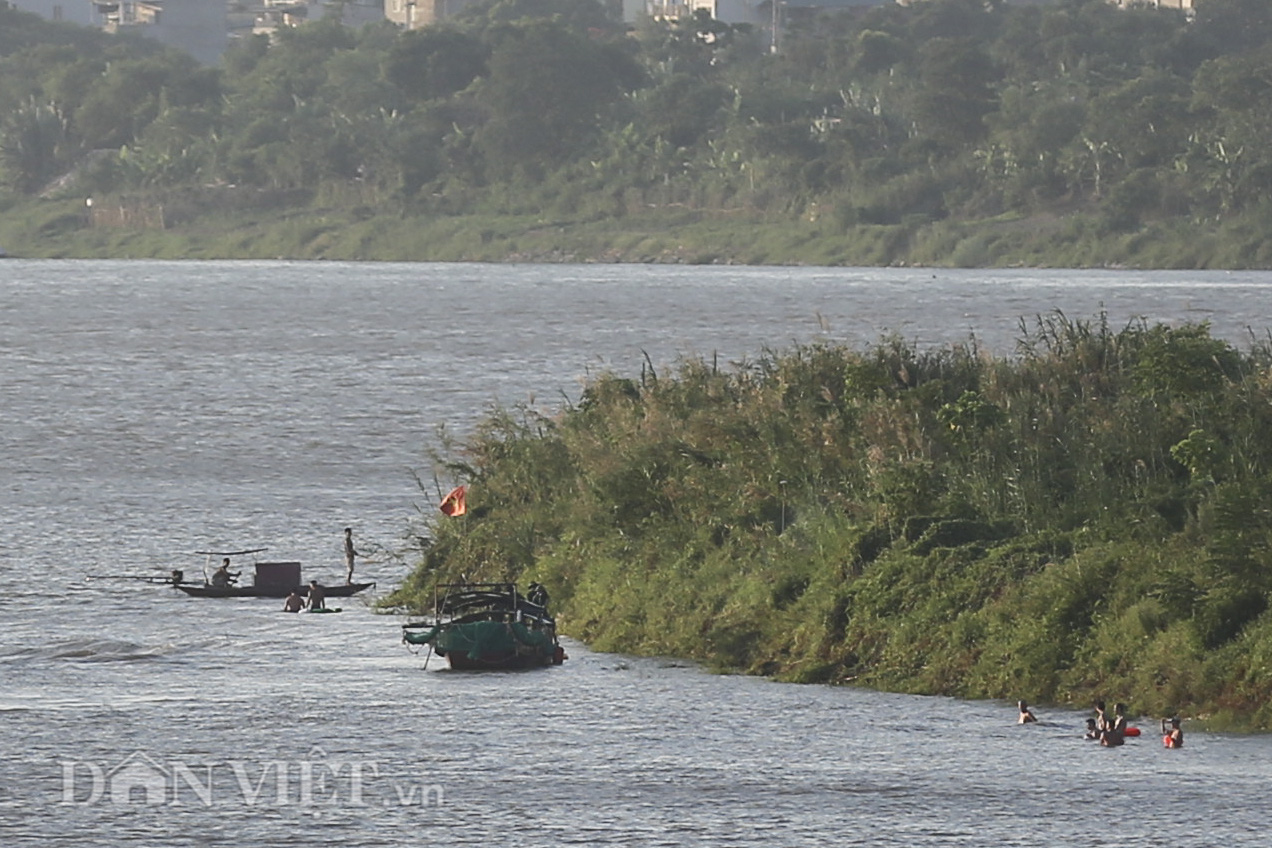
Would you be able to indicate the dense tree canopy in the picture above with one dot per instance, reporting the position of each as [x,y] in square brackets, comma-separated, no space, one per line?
[895,115]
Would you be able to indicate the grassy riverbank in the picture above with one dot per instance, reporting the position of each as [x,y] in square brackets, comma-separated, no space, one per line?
[245,230]
[1088,520]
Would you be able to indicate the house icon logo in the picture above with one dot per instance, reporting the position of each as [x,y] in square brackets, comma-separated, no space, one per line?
[138,779]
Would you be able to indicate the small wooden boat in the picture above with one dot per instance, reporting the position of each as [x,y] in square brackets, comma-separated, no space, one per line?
[478,626]
[338,590]
[273,580]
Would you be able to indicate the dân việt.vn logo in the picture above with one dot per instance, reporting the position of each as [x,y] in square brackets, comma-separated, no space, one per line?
[317,780]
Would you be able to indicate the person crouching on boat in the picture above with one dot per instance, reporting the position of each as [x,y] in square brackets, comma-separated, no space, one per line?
[223,578]
[294,602]
[317,597]
[1172,733]
[1025,715]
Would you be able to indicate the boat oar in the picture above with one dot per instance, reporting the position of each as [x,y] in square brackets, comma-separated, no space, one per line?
[149,578]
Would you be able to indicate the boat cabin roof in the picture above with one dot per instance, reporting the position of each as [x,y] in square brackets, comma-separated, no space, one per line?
[456,599]
[285,575]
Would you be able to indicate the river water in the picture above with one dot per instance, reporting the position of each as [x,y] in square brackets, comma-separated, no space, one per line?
[149,410]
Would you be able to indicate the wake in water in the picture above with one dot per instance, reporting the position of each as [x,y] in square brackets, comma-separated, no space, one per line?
[90,650]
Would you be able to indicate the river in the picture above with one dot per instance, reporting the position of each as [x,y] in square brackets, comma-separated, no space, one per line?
[149,410]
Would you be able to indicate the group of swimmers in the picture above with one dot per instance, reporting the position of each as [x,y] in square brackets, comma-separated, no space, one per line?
[316,599]
[1112,731]
[1109,730]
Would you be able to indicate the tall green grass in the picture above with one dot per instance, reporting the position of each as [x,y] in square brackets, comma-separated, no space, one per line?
[1085,519]
[299,229]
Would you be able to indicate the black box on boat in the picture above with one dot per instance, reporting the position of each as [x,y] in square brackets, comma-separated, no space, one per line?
[278,575]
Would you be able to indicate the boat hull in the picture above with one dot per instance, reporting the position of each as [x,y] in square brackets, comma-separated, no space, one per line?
[460,661]
[493,645]
[339,590]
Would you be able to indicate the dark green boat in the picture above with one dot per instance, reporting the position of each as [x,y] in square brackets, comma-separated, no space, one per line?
[489,626]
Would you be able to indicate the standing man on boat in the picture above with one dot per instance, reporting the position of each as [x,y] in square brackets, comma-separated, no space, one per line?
[350,553]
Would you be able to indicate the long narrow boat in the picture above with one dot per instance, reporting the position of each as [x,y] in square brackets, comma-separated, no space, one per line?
[336,590]
[272,580]
[479,626]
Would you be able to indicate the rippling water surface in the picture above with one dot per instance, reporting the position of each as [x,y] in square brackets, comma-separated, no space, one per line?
[151,409]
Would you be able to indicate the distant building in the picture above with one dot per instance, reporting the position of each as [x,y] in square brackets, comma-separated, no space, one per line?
[264,18]
[75,11]
[1183,5]
[199,27]
[268,16]
[203,28]
[756,12]
[414,14]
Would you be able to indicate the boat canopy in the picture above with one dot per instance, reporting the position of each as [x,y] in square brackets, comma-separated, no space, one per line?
[278,575]
[463,599]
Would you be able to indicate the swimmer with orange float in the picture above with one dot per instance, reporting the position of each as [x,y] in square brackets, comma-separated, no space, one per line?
[1172,733]
[1116,730]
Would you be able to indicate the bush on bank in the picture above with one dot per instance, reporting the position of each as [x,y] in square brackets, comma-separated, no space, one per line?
[248,229]
[1088,518]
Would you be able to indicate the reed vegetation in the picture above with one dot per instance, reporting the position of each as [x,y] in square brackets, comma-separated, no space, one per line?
[1088,517]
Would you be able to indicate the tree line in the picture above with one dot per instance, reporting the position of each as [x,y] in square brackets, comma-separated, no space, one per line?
[899,116]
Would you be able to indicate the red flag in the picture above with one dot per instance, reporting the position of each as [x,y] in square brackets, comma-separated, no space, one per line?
[453,504]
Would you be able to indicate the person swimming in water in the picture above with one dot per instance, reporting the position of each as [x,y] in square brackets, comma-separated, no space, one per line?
[317,596]
[1115,729]
[294,602]
[1025,715]
[1091,731]
[1101,718]
[1172,733]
